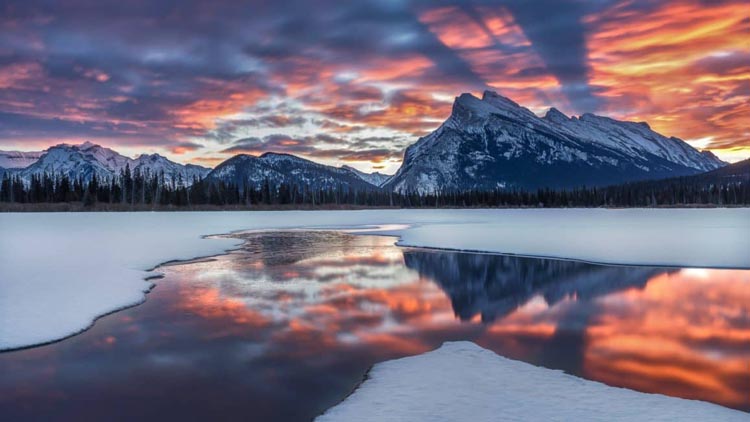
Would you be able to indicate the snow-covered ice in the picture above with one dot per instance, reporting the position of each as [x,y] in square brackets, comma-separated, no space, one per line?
[461,381]
[59,272]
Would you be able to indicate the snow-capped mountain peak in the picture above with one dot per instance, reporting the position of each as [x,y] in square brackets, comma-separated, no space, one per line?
[493,143]
[86,159]
[277,168]
[499,101]
[556,116]
[469,110]
[277,157]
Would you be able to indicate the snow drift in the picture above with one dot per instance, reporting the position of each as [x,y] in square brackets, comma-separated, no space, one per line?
[462,381]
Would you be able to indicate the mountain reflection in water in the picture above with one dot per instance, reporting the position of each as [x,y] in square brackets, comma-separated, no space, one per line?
[494,286]
[286,326]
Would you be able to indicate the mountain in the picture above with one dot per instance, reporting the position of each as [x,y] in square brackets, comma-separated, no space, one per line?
[726,185]
[87,159]
[493,143]
[18,159]
[739,172]
[736,173]
[155,164]
[375,178]
[247,169]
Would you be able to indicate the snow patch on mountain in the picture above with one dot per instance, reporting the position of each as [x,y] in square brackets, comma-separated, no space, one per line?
[633,138]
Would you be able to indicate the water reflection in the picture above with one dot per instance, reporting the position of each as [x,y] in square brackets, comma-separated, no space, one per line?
[494,286]
[286,326]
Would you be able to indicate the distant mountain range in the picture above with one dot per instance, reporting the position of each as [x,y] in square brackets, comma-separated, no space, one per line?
[87,159]
[486,143]
[18,159]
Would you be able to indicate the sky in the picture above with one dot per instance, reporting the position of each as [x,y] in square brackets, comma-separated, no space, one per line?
[355,82]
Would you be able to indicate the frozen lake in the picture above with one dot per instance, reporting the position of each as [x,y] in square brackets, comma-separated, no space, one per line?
[60,271]
[286,327]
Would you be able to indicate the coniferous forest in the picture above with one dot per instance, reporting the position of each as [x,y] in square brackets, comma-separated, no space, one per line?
[724,187]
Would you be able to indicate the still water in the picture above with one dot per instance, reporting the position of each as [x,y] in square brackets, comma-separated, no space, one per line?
[287,326]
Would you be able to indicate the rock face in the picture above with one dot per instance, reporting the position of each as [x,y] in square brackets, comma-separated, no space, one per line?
[87,159]
[249,170]
[493,143]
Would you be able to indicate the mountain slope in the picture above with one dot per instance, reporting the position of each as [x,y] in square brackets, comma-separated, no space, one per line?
[735,174]
[87,159]
[495,143]
[179,173]
[375,178]
[250,170]
[739,172]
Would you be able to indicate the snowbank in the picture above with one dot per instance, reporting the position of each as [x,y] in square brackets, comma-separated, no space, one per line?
[688,238]
[463,382]
[60,271]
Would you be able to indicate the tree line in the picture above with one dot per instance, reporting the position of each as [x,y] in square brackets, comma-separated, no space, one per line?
[136,188]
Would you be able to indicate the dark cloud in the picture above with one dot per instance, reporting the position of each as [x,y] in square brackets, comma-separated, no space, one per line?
[556,31]
[360,150]
[183,147]
[273,143]
[227,129]
[21,126]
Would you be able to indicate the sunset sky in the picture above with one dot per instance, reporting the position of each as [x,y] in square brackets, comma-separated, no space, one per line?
[355,82]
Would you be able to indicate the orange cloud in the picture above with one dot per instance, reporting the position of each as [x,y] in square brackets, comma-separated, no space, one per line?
[684,67]
[498,51]
[16,75]
[225,99]
[455,29]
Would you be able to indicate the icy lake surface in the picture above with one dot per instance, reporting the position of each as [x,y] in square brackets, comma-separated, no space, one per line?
[59,272]
[285,327]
